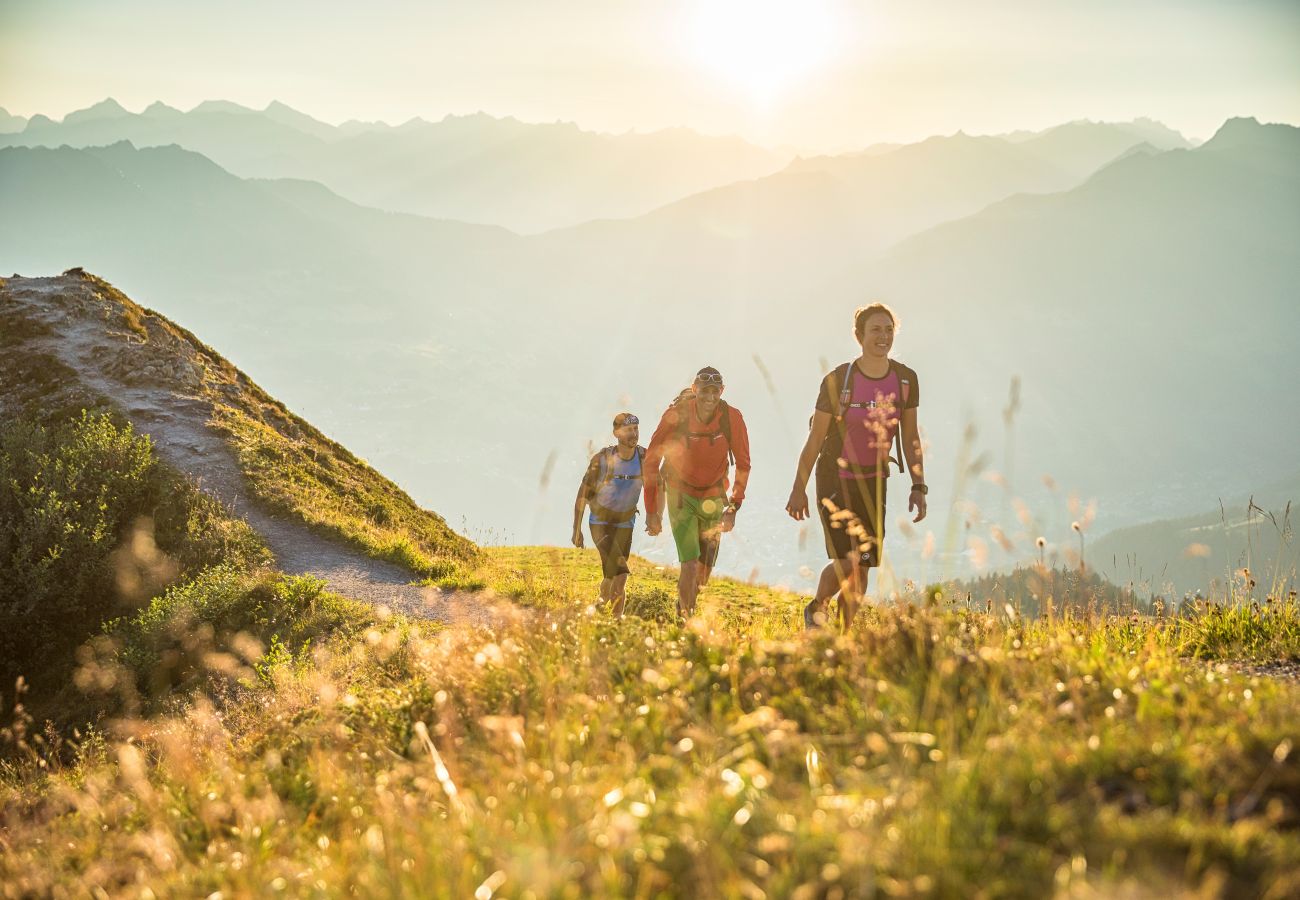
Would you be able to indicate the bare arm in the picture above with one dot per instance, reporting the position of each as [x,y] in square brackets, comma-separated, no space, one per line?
[585,492]
[915,458]
[798,505]
[579,505]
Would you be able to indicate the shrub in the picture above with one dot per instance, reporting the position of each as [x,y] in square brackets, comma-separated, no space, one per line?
[224,618]
[90,520]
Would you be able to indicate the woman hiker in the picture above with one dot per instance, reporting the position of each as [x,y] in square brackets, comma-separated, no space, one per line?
[862,408]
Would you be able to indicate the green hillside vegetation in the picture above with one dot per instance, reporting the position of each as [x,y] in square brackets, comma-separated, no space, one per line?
[90,521]
[935,751]
[243,732]
[1243,623]
[289,464]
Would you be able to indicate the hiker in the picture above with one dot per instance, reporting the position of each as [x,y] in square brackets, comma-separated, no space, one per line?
[612,487]
[698,438]
[862,408]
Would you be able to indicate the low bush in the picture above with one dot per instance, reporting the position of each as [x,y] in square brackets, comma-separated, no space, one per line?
[92,524]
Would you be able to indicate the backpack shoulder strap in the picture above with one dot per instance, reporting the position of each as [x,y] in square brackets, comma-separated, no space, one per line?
[844,374]
[904,383]
[904,392]
[683,416]
[724,423]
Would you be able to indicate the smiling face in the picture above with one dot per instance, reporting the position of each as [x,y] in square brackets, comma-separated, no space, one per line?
[628,435]
[877,335]
[706,399]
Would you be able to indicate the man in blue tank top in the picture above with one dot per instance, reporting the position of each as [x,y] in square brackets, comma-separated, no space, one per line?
[612,487]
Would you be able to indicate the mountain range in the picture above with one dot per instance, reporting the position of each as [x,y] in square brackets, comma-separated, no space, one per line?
[474,168]
[1142,310]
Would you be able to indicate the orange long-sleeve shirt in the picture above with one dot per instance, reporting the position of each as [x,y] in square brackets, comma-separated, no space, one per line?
[698,464]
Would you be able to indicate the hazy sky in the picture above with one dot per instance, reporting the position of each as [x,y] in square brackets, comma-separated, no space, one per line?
[825,74]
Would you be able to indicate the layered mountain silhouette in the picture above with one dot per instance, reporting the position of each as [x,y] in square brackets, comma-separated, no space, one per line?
[476,168]
[10,123]
[1144,311]
[1082,147]
[1245,538]
[1148,303]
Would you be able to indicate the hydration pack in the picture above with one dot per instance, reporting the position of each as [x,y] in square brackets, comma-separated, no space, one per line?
[684,433]
[833,447]
[608,476]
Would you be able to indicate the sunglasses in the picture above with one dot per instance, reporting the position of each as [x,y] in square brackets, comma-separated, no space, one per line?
[709,378]
[629,420]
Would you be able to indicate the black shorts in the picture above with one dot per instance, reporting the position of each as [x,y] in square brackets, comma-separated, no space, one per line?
[614,545]
[853,516]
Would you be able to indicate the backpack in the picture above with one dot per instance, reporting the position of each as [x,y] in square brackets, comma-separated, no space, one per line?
[684,430]
[607,476]
[833,446]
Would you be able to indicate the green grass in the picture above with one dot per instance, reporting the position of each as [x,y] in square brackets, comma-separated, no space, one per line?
[290,465]
[92,524]
[299,472]
[934,751]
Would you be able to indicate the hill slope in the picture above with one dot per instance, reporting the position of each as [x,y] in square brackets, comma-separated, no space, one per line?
[76,341]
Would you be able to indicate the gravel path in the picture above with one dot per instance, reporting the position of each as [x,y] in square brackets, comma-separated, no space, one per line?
[175,414]
[1281,669]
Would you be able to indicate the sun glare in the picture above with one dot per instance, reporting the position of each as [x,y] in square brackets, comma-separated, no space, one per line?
[763,47]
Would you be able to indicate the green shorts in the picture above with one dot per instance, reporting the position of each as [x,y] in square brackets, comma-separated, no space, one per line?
[697,525]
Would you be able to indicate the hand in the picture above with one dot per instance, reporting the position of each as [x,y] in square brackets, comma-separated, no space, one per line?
[654,523]
[577,538]
[916,501]
[798,506]
[728,520]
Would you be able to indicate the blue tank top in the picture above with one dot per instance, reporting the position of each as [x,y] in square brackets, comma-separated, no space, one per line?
[619,488]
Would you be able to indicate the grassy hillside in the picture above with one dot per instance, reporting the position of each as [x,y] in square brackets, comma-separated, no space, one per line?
[933,752]
[289,465]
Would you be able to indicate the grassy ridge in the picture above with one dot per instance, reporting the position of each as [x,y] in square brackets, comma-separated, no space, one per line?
[91,524]
[933,752]
[289,464]
[328,488]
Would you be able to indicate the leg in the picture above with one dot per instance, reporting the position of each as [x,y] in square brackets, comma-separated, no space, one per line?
[688,588]
[866,501]
[604,538]
[618,595]
[853,591]
[710,526]
[828,585]
[618,571]
[683,515]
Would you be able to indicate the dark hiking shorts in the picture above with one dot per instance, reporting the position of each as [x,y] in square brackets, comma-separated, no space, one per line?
[851,519]
[614,545]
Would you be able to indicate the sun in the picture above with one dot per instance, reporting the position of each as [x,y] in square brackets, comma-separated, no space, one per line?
[762,47]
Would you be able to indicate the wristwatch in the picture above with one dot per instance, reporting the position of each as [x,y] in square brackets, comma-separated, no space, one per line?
[920,486]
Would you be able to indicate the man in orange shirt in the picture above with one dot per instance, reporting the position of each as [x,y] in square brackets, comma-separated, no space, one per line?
[698,438]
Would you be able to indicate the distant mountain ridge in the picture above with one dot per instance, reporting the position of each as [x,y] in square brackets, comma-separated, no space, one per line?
[476,168]
[1135,284]
[11,123]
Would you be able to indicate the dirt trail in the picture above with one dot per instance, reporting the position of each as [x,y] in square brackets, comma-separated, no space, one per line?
[161,392]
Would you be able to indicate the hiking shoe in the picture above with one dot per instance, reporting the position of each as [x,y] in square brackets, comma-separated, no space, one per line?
[810,617]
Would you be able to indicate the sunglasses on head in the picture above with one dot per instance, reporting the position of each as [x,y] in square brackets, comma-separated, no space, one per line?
[709,378]
[629,420]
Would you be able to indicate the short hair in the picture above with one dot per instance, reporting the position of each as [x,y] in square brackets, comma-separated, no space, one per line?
[862,313]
